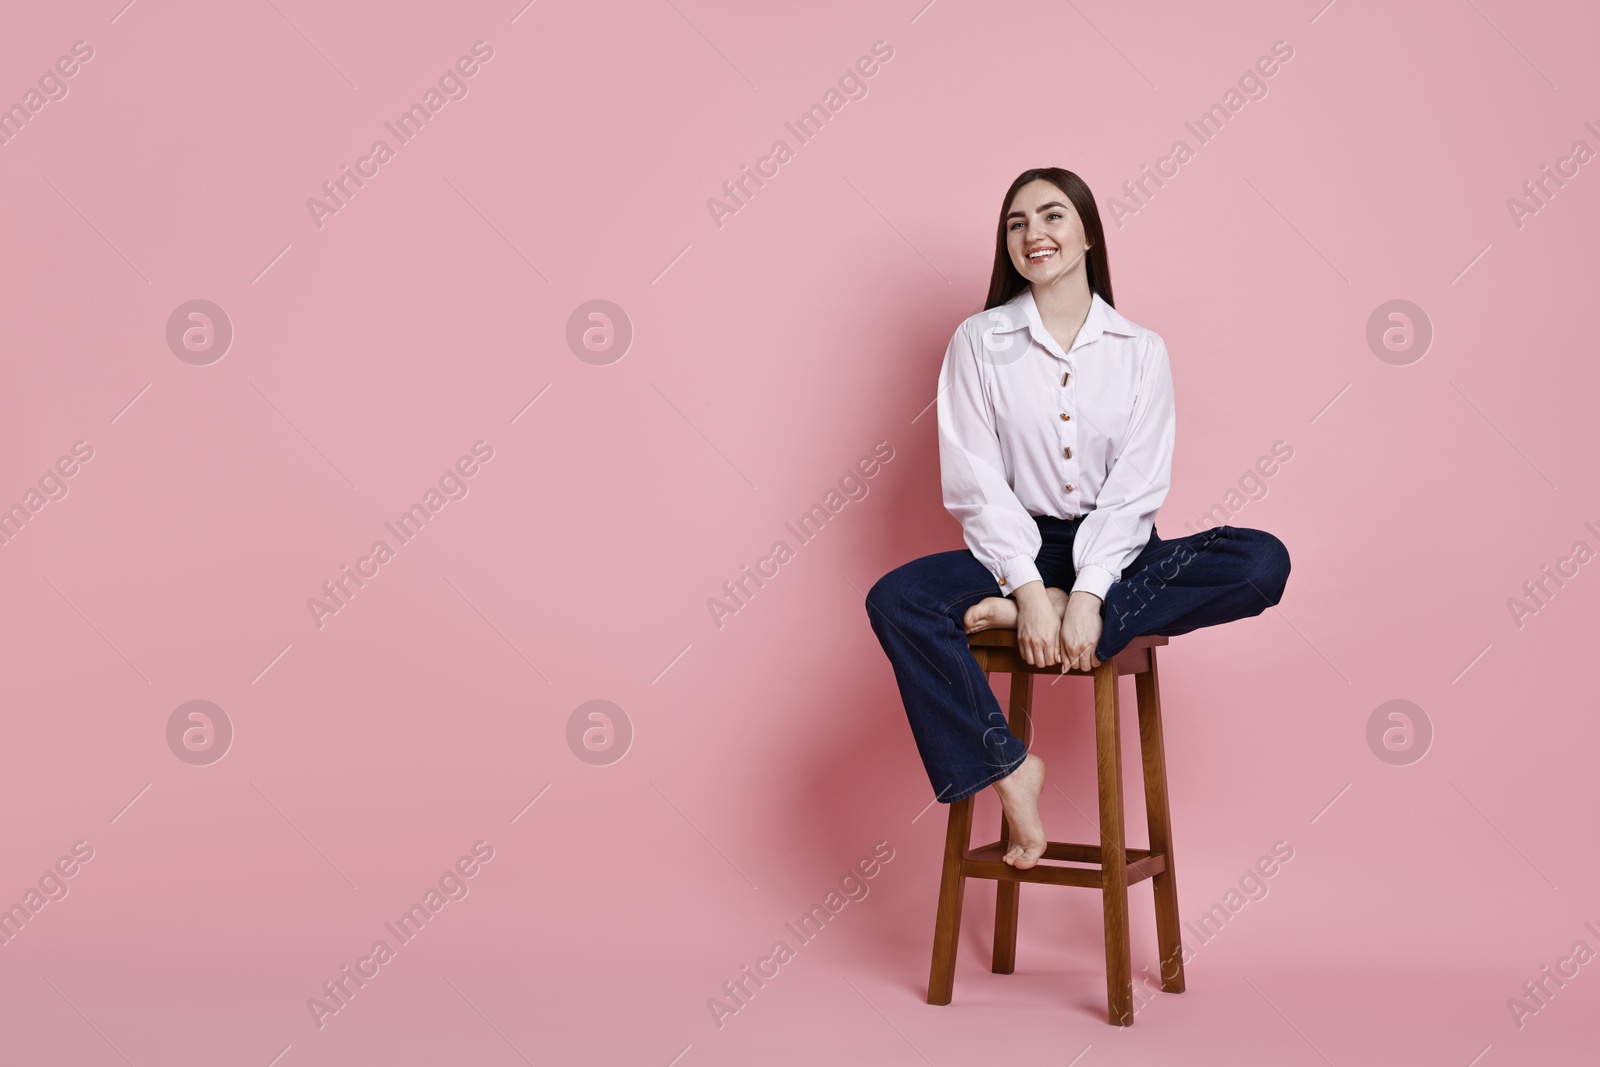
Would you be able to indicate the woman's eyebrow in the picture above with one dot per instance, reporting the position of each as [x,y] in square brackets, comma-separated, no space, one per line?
[1023,214]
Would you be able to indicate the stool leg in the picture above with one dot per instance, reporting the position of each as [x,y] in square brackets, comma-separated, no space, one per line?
[1113,860]
[952,886]
[1148,687]
[1008,893]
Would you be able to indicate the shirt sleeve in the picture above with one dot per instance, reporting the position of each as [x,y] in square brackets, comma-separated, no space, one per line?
[996,527]
[1116,531]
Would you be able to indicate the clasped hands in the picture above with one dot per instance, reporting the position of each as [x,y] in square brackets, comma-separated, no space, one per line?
[1046,637]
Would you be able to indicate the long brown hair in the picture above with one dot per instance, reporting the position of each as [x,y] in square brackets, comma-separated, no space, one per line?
[1006,282]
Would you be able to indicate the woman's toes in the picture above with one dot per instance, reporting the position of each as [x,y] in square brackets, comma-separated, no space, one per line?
[1028,857]
[991,613]
[1022,856]
[980,616]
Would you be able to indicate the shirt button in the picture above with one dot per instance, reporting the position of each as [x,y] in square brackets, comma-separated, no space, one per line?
[1068,451]
[1064,376]
[1068,487]
[1065,417]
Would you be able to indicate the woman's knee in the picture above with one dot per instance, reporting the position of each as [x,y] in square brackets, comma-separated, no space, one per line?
[1269,563]
[888,592]
[899,589]
[925,582]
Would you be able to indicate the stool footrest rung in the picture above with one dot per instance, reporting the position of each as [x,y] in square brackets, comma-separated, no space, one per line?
[986,862]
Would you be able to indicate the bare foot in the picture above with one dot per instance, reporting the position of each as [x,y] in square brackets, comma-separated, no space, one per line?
[1019,797]
[1000,612]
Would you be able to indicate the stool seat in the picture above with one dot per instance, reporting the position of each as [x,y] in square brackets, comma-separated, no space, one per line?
[997,653]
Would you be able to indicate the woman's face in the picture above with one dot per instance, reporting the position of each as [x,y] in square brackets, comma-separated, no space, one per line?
[1043,233]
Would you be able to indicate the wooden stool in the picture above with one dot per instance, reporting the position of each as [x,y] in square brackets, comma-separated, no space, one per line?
[996,652]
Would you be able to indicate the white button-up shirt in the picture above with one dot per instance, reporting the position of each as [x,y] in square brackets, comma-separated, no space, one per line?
[1026,429]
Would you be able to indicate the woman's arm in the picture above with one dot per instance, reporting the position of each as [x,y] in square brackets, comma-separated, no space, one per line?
[994,524]
[1116,531]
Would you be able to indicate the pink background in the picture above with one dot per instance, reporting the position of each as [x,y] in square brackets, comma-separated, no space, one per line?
[769,755]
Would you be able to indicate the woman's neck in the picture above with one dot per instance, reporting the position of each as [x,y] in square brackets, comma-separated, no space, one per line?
[1063,306]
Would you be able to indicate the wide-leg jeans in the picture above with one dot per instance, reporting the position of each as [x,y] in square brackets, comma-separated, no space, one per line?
[1172,587]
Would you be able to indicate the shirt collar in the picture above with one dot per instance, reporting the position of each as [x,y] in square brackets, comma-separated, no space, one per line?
[1022,313]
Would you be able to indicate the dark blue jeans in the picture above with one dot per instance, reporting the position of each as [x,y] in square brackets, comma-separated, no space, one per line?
[1172,587]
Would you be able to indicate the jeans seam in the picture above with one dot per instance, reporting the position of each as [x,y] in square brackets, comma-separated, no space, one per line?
[966,680]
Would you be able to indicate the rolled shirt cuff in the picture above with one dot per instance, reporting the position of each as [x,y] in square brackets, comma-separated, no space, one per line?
[1093,579]
[1015,573]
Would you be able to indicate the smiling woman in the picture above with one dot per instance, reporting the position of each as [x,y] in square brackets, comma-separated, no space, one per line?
[1056,432]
